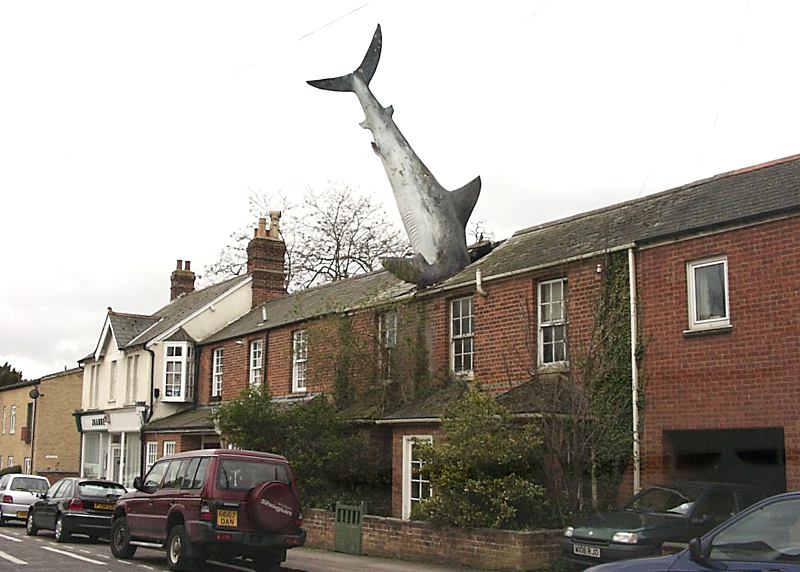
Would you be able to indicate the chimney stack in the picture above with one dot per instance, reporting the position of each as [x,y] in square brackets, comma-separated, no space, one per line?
[182,280]
[266,255]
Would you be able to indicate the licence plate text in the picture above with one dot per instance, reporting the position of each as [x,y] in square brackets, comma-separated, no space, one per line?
[589,551]
[22,514]
[103,506]
[227,518]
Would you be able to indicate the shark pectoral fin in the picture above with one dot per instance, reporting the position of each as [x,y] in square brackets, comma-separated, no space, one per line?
[464,199]
[412,270]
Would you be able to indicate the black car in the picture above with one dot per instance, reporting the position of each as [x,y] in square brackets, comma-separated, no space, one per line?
[675,512]
[75,506]
[765,537]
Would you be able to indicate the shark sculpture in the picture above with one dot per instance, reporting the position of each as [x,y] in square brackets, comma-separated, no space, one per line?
[434,218]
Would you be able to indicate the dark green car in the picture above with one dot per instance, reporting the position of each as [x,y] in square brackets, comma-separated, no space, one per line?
[675,512]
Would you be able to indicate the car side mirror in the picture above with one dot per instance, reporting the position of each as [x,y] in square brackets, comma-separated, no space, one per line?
[137,484]
[699,552]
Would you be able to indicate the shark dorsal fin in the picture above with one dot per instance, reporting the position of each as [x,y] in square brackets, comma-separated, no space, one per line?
[464,199]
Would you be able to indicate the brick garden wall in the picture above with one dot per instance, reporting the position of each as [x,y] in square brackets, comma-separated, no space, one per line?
[421,541]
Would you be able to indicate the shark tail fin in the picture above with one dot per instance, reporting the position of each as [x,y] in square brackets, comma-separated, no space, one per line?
[366,70]
[464,199]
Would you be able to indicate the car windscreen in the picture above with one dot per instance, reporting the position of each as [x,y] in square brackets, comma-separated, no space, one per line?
[665,499]
[100,490]
[244,474]
[29,484]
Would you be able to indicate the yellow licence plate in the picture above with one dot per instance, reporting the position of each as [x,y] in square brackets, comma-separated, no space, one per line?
[227,518]
[103,506]
[22,514]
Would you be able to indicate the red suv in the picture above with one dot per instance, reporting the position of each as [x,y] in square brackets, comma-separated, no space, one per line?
[216,503]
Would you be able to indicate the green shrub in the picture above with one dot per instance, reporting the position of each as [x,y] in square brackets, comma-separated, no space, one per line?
[486,472]
[331,458]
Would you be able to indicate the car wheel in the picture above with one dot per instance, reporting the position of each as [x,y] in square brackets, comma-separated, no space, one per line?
[121,539]
[30,528]
[62,534]
[178,549]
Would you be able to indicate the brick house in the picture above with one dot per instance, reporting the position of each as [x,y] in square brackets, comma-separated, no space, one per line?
[37,431]
[718,393]
[143,367]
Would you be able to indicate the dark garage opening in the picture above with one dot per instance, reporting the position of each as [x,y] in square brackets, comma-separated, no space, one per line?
[754,456]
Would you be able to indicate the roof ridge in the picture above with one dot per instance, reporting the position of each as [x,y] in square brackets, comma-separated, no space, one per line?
[131,315]
[654,196]
[327,285]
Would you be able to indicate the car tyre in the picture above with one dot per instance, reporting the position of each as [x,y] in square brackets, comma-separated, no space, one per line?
[178,549]
[30,528]
[62,533]
[121,546]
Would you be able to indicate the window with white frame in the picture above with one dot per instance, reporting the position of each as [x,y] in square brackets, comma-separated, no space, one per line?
[169,448]
[131,375]
[112,381]
[299,360]
[152,455]
[12,424]
[387,342]
[178,372]
[708,293]
[26,466]
[94,387]
[4,418]
[552,321]
[256,361]
[415,487]
[217,371]
[462,336]
[10,461]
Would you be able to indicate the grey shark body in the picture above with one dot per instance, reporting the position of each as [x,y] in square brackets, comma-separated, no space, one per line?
[434,218]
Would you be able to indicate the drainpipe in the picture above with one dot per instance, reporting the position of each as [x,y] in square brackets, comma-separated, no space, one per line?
[637,468]
[142,442]
[479,283]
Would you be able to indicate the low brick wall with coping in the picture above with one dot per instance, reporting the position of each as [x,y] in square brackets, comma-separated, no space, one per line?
[485,548]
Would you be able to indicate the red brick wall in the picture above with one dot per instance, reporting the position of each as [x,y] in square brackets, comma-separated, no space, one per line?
[744,378]
[410,540]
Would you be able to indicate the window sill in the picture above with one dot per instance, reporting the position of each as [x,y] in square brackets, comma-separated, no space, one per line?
[216,398]
[715,331]
[557,367]
[175,400]
[464,375]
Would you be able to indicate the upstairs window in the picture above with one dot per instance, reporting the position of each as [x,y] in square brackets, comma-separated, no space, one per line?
[462,334]
[178,372]
[708,293]
[12,426]
[112,381]
[256,360]
[218,367]
[552,321]
[299,360]
[131,375]
[387,343]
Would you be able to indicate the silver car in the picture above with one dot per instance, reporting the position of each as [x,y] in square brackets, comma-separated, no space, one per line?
[17,493]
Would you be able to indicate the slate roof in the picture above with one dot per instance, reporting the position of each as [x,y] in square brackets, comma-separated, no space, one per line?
[128,326]
[343,295]
[195,418]
[183,307]
[431,406]
[736,197]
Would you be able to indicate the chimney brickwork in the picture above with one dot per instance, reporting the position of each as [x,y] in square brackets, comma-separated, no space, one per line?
[266,254]
[181,280]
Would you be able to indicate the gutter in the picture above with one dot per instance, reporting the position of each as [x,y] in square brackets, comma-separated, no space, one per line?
[142,442]
[502,275]
[414,421]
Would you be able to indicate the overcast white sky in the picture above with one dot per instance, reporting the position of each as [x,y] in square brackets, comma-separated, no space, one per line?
[131,133]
